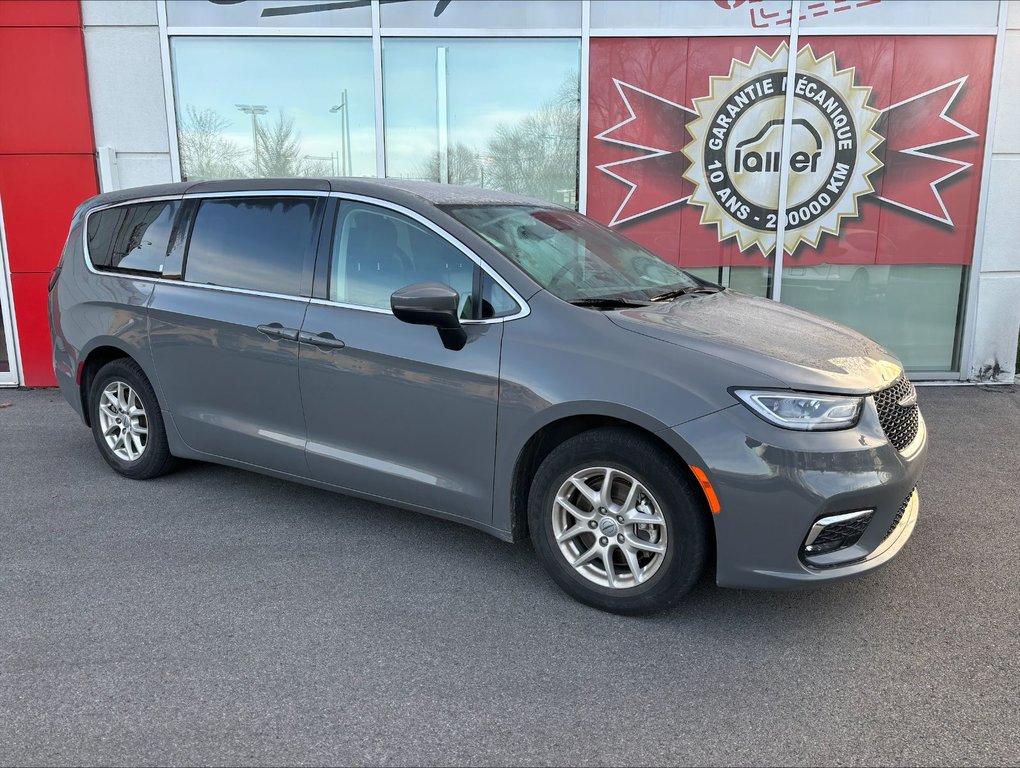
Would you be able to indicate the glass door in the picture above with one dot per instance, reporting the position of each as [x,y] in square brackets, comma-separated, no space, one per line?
[8,368]
[880,235]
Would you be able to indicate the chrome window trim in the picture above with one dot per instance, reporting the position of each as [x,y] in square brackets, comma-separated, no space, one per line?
[344,305]
[524,310]
[229,289]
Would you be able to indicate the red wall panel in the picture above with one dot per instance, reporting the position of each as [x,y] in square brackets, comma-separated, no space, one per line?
[40,13]
[39,193]
[30,296]
[47,157]
[44,94]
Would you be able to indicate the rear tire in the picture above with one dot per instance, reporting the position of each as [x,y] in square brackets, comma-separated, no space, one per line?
[636,550]
[127,423]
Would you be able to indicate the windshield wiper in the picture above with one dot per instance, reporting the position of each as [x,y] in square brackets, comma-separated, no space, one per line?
[675,294]
[609,302]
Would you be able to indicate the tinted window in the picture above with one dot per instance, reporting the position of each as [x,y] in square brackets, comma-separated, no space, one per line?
[376,252]
[254,243]
[131,237]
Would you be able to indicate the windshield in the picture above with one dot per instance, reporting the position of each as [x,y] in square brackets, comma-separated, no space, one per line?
[572,256]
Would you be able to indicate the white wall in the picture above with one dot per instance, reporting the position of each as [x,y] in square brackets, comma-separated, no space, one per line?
[998,303]
[122,50]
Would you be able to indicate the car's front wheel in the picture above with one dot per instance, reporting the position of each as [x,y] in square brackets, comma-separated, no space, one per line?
[616,523]
[127,423]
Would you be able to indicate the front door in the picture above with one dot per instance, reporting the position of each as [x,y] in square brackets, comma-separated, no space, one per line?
[390,410]
[224,341]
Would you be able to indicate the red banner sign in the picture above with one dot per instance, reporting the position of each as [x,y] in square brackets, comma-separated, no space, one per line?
[687,147]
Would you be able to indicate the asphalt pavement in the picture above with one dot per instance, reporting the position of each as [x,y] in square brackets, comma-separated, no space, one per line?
[220,617]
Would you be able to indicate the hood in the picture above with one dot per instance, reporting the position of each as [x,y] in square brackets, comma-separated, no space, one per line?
[802,350]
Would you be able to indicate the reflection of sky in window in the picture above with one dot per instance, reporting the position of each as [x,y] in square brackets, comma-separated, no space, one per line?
[489,82]
[254,243]
[303,77]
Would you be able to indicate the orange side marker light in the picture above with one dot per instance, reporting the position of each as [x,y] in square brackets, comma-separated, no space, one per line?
[706,486]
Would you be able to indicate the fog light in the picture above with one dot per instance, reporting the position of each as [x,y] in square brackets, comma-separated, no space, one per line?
[836,532]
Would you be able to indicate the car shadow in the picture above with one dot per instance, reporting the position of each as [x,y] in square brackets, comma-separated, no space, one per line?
[470,565]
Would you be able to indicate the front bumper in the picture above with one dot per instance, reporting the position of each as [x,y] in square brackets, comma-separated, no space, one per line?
[773,484]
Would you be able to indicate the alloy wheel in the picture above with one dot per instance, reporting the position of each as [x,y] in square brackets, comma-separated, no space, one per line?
[609,527]
[123,421]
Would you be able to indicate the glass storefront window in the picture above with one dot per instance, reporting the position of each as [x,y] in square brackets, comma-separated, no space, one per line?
[498,113]
[911,309]
[272,106]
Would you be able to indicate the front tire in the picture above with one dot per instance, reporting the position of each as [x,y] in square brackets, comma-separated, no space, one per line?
[127,423]
[616,522]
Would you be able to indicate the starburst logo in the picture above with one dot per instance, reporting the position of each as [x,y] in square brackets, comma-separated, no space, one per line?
[736,150]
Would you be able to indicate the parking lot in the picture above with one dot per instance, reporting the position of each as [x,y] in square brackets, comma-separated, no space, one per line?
[216,616]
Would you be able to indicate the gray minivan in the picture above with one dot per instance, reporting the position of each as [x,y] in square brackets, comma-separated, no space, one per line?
[490,359]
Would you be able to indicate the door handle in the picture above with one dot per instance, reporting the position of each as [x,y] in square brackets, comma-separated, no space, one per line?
[277,331]
[324,340]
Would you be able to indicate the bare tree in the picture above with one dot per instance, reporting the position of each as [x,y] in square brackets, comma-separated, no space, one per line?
[281,153]
[462,163]
[205,152]
[539,154]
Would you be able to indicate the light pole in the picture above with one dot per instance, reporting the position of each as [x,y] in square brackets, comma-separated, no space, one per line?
[345,133]
[482,160]
[254,110]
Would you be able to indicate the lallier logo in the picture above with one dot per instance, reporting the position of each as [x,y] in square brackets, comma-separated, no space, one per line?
[733,143]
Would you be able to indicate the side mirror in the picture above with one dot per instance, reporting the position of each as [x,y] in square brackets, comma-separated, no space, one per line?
[432,304]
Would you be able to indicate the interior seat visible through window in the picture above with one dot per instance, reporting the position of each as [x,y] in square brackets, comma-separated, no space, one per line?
[377,252]
[374,260]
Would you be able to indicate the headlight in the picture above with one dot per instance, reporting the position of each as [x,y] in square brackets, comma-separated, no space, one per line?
[797,410]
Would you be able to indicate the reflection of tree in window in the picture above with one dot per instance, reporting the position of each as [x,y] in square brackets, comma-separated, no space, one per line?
[537,155]
[206,153]
[280,151]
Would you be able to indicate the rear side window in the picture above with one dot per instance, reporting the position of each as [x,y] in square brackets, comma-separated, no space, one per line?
[257,243]
[131,238]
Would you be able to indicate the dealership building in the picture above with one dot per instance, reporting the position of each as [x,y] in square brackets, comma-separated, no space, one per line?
[859,159]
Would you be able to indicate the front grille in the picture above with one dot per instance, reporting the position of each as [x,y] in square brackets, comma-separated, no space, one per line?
[900,422]
[899,515]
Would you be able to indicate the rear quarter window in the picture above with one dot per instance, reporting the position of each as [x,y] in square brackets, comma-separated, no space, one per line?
[251,242]
[131,238]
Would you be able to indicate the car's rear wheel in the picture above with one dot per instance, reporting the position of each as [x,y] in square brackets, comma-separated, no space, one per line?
[127,423]
[616,522]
